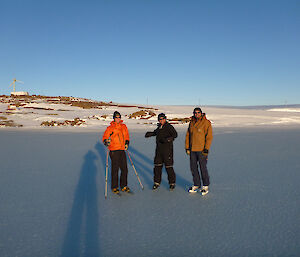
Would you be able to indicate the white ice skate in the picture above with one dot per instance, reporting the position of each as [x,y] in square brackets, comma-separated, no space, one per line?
[193,189]
[204,190]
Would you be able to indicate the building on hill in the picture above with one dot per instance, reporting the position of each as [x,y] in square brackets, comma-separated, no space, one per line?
[19,93]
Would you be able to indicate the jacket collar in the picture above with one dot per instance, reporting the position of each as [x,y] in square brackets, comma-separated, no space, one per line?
[203,117]
[113,123]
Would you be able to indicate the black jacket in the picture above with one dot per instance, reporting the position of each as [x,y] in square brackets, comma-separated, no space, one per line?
[165,136]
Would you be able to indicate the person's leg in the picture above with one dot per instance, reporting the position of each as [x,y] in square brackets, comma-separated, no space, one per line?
[114,156]
[194,168]
[168,160]
[158,164]
[124,169]
[203,169]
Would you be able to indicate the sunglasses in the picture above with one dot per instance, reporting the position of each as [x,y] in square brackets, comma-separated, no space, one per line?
[118,117]
[197,112]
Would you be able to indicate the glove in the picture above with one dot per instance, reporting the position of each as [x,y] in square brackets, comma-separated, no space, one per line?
[106,142]
[149,134]
[205,152]
[170,139]
[126,145]
[166,140]
[188,151]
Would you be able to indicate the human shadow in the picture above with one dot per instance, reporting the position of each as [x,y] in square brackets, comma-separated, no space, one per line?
[180,181]
[82,235]
[102,151]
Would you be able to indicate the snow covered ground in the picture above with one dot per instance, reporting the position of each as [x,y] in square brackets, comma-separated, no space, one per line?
[32,112]
[52,193]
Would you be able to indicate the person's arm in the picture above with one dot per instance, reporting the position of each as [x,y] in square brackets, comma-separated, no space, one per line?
[127,139]
[208,137]
[172,135]
[208,140]
[106,137]
[187,141]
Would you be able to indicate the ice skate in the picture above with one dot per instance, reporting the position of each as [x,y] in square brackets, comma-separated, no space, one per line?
[204,190]
[155,186]
[193,189]
[126,189]
[172,187]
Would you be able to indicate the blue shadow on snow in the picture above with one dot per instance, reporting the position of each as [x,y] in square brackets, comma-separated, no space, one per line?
[85,208]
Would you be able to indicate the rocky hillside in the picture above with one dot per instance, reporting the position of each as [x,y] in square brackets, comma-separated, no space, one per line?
[48,111]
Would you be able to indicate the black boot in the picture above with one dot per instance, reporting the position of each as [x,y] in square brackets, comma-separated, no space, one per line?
[115,190]
[155,186]
[172,187]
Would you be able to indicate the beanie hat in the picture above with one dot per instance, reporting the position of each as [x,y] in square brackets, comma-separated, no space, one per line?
[161,115]
[197,109]
[116,114]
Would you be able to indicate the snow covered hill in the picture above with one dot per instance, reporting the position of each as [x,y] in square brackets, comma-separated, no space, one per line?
[44,111]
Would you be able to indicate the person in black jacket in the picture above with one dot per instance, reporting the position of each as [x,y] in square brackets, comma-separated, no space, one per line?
[165,135]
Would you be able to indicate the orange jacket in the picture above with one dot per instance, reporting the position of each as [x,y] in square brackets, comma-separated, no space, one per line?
[118,134]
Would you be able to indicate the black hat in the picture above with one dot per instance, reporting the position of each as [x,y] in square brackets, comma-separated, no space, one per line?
[117,114]
[161,115]
[197,109]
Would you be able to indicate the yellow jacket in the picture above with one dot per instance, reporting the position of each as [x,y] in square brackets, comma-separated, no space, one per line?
[199,134]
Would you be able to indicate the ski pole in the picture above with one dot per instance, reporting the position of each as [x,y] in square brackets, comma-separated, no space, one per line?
[106,173]
[106,170]
[135,170]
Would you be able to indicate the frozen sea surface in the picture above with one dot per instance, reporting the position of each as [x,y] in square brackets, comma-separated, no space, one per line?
[52,198]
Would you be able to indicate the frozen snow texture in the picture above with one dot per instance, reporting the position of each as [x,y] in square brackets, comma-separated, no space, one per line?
[52,197]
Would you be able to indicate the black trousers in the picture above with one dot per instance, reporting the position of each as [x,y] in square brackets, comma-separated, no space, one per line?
[164,157]
[195,158]
[118,161]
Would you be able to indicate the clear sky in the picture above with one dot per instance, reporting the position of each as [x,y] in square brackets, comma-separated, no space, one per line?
[212,52]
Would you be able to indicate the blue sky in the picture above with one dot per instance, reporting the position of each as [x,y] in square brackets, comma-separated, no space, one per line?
[156,51]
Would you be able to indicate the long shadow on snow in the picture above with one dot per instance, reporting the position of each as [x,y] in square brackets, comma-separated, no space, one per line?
[84,208]
[180,181]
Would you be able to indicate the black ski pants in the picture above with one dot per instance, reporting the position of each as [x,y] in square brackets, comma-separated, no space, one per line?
[118,161]
[164,157]
[195,158]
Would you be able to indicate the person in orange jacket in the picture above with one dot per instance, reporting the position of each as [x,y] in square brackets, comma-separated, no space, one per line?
[116,138]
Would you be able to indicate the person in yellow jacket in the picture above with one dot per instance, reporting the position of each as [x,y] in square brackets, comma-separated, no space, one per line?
[116,138]
[198,140]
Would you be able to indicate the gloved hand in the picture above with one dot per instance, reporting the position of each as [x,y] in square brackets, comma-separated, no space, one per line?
[107,142]
[126,145]
[166,140]
[188,151]
[170,139]
[149,134]
[205,152]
